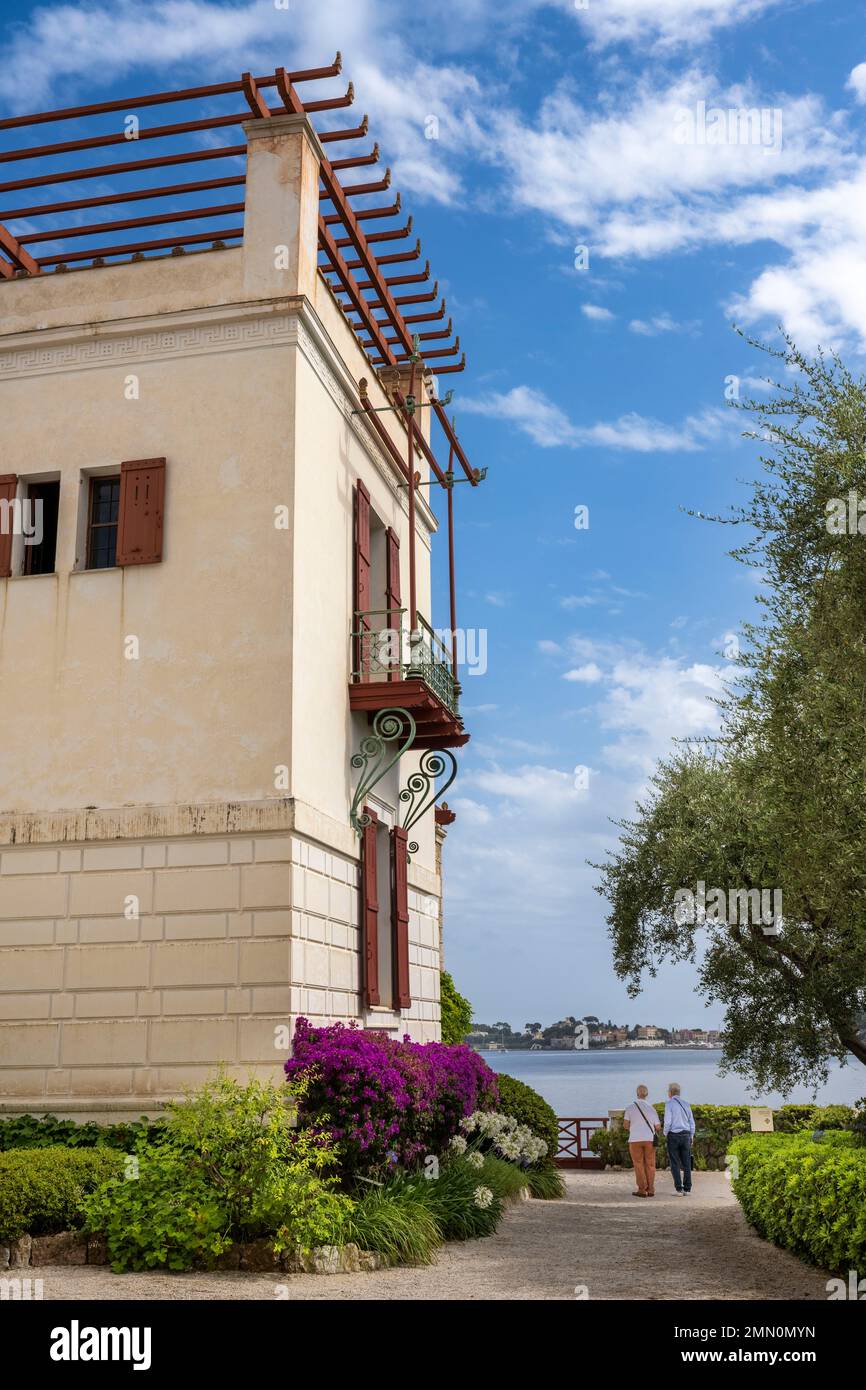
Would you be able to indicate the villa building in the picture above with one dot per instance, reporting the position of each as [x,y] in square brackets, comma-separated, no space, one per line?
[227,716]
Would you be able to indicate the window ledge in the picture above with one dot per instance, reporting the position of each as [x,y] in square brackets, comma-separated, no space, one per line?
[383,1017]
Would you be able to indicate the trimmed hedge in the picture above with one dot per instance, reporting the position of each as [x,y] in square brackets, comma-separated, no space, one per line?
[41,1190]
[717,1126]
[808,1196]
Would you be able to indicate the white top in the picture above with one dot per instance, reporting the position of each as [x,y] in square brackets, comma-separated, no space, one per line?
[642,1118]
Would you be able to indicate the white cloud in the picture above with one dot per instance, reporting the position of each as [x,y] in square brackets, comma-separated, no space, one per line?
[597,313]
[638,192]
[588,674]
[549,426]
[857,82]
[652,701]
[660,323]
[636,189]
[667,23]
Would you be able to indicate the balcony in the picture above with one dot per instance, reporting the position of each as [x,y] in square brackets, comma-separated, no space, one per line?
[393,668]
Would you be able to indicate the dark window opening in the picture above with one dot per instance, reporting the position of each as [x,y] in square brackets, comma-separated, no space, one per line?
[43,511]
[102,523]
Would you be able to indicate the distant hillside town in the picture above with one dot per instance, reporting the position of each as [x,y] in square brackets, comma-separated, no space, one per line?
[584,1033]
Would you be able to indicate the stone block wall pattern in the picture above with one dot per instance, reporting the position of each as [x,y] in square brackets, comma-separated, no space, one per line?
[130,970]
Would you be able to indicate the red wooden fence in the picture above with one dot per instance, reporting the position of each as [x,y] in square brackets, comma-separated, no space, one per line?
[574,1136]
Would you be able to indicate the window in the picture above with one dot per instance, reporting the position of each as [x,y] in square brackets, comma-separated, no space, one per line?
[42,513]
[102,520]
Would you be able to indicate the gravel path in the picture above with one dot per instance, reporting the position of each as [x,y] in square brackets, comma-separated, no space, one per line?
[599,1237]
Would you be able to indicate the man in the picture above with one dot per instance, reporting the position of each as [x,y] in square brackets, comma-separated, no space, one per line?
[679,1133]
[642,1123]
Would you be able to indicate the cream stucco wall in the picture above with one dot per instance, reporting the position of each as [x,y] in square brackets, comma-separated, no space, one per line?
[154,780]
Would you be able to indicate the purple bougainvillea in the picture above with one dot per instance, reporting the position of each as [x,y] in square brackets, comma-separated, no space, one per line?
[382,1100]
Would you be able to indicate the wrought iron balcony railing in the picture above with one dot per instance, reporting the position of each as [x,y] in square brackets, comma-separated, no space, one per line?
[383,649]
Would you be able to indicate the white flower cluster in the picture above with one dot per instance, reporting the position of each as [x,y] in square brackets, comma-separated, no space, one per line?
[475,1160]
[483,1197]
[458,1144]
[509,1139]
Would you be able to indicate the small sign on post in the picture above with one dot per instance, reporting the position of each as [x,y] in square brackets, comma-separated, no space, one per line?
[761,1117]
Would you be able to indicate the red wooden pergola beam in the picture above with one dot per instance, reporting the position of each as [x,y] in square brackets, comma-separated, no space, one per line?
[418,278]
[98,228]
[151,132]
[353,161]
[254,98]
[134,195]
[431,317]
[392,258]
[453,366]
[98,171]
[328,136]
[362,214]
[347,280]
[97,252]
[406,299]
[429,337]
[331,103]
[395,234]
[353,190]
[15,252]
[158,132]
[164,98]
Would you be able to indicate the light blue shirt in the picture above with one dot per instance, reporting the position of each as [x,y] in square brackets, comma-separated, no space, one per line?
[678,1116]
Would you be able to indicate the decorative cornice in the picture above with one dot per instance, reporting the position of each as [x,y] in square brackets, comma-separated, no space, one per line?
[153,339]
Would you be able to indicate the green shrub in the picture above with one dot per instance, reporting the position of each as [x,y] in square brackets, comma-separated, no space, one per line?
[546,1183]
[231,1166]
[30,1132]
[452,1197]
[831,1117]
[504,1178]
[529,1108]
[805,1196]
[396,1223]
[43,1190]
[456,1010]
[788,1119]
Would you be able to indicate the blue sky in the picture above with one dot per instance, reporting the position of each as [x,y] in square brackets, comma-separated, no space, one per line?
[602,387]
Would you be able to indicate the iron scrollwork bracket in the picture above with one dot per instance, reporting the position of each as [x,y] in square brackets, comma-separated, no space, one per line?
[421,791]
[390,726]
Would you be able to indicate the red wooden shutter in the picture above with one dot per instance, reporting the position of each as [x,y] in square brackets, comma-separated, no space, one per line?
[392,589]
[8,490]
[400,919]
[370,908]
[363,594]
[139,521]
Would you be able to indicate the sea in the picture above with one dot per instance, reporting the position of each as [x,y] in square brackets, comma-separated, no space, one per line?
[589,1084]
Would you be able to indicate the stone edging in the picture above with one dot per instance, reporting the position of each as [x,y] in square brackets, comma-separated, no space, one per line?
[252,1257]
